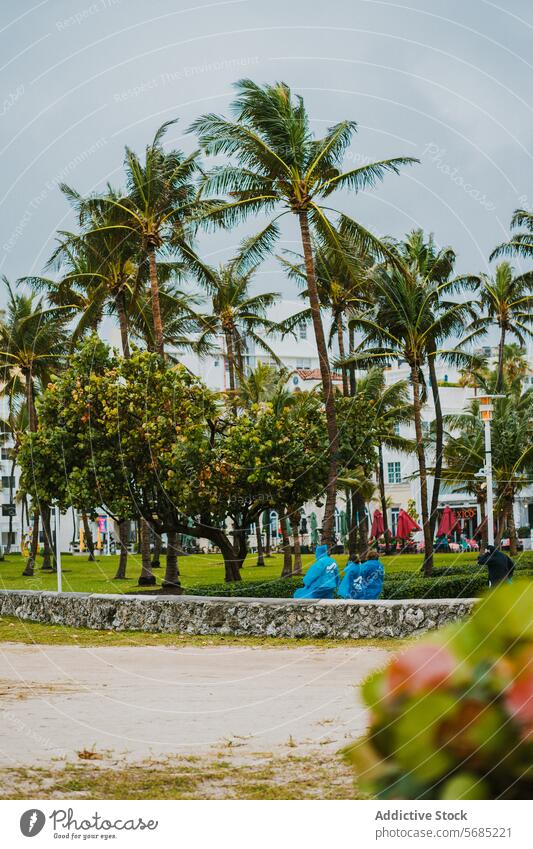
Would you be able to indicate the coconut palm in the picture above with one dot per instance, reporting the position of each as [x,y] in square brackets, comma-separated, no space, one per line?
[505,300]
[392,407]
[236,315]
[410,319]
[33,343]
[275,162]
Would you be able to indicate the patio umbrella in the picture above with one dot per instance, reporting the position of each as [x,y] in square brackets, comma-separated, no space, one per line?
[448,522]
[378,528]
[406,525]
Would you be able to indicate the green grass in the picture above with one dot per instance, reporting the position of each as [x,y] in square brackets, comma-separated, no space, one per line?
[79,575]
[13,630]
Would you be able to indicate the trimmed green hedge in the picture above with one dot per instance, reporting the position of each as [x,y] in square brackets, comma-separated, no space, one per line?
[445,583]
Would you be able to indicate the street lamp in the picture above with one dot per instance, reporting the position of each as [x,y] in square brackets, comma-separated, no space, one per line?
[486,409]
[58,550]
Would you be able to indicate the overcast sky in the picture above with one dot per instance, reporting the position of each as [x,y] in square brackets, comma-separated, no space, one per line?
[447,81]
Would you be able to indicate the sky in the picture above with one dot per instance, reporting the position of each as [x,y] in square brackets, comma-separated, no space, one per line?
[446,81]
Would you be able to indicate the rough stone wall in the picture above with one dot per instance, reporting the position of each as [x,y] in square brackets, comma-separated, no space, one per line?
[236,616]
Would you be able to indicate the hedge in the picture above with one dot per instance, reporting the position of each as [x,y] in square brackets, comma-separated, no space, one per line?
[396,586]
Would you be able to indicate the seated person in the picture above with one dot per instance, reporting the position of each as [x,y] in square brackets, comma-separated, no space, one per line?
[322,578]
[363,580]
[499,565]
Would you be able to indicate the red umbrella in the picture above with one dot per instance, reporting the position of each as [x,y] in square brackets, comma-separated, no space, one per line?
[378,528]
[406,525]
[448,522]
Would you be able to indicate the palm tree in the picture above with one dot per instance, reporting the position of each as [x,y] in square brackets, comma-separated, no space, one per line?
[237,315]
[507,301]
[15,425]
[33,342]
[392,407]
[410,319]
[276,162]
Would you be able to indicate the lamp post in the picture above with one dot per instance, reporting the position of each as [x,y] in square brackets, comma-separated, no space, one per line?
[486,409]
[58,550]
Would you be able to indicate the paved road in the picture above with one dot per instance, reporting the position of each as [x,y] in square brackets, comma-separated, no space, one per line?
[142,702]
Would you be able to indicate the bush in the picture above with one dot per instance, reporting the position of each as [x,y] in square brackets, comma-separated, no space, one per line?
[451,718]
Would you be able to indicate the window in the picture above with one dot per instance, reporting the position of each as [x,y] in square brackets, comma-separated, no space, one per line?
[8,481]
[445,378]
[426,429]
[394,473]
[5,453]
[397,428]
[394,519]
[303,362]
[303,330]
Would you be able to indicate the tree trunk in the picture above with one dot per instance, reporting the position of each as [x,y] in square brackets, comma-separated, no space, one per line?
[88,535]
[10,526]
[358,507]
[123,534]
[501,351]
[327,384]
[427,566]
[342,353]
[352,527]
[230,353]
[146,578]
[268,541]
[259,538]
[120,303]
[295,526]
[156,563]
[47,565]
[172,572]
[353,380]
[234,556]
[34,547]
[513,542]
[439,442]
[383,498]
[156,309]
[286,571]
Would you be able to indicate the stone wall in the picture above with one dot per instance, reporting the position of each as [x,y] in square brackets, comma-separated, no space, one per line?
[236,616]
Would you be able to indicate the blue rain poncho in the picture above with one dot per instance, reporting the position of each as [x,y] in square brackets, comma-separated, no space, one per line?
[322,578]
[362,580]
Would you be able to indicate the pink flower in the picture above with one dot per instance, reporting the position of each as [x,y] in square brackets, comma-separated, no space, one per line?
[419,669]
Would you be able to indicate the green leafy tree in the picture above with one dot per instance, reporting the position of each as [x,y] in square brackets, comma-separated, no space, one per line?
[276,163]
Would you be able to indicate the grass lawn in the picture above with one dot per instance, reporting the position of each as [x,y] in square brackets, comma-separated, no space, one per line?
[79,575]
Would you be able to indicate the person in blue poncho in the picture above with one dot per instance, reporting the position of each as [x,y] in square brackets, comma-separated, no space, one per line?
[363,581]
[322,578]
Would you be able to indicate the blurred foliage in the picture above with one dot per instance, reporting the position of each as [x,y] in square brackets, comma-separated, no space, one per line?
[452,717]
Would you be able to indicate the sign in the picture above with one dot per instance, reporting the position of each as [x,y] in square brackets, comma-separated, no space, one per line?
[102,524]
[9,510]
[466,513]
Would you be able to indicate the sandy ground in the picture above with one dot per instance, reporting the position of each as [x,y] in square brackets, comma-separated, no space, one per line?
[146,702]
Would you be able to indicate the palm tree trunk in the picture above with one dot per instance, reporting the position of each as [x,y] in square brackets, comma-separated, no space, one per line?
[295,526]
[34,547]
[342,353]
[286,571]
[120,303]
[156,309]
[501,352]
[123,534]
[47,534]
[383,498]
[88,534]
[10,526]
[439,442]
[513,542]
[427,566]
[268,543]
[156,564]
[172,572]
[327,384]
[259,538]
[351,342]
[146,578]
[230,353]
[352,526]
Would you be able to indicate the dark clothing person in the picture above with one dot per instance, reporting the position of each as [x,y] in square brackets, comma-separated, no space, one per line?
[499,565]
